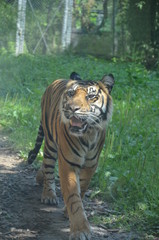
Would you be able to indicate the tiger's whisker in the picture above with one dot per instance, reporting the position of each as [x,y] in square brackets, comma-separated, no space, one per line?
[96,123]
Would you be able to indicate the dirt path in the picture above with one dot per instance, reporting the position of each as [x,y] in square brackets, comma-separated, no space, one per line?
[23,217]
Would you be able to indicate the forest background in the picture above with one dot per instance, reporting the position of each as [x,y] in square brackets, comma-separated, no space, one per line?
[121,37]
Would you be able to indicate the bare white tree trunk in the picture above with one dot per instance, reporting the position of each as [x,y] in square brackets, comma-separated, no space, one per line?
[20,26]
[67,24]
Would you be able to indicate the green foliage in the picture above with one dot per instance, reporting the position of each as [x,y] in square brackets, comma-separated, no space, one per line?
[127,175]
[8,16]
[130,157]
[100,28]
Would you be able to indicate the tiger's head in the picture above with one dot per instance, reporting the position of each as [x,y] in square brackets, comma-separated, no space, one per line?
[87,104]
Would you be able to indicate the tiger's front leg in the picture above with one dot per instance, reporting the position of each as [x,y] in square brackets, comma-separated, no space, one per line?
[49,191]
[85,177]
[69,179]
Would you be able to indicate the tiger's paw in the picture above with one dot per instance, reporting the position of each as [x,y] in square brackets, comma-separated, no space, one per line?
[80,236]
[49,197]
[80,230]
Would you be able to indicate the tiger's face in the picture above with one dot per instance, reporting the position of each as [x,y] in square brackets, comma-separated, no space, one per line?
[86,105]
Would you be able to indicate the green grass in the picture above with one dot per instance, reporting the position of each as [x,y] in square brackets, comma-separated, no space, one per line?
[128,172]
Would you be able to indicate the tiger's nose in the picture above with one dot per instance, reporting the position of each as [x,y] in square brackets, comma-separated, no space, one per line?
[74,108]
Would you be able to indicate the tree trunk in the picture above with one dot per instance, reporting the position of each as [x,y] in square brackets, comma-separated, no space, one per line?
[153,19]
[20,27]
[67,24]
[105,15]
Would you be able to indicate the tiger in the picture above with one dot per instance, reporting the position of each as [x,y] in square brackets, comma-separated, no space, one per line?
[74,115]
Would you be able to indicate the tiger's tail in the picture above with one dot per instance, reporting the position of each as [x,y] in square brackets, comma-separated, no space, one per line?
[34,152]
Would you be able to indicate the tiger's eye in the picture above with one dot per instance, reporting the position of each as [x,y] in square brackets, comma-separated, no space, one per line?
[91,96]
[71,92]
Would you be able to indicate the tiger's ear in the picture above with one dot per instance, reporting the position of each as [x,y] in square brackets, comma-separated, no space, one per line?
[108,81]
[75,76]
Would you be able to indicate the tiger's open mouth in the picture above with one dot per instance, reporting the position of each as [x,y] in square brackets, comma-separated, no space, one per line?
[77,125]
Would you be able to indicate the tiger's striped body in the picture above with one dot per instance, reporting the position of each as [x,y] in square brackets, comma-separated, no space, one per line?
[74,116]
